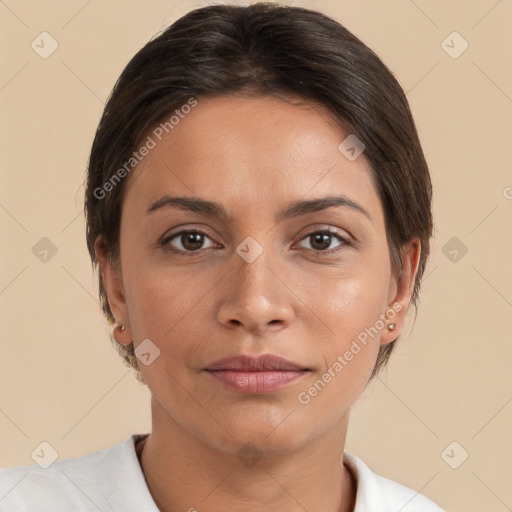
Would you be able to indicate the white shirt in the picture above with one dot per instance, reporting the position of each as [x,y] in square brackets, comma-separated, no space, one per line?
[112,480]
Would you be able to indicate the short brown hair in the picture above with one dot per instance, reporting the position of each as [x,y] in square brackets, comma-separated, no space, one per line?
[273,50]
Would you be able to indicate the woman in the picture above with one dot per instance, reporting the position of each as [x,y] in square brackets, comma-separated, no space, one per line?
[259,206]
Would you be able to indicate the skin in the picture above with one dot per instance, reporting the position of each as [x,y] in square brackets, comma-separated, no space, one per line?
[254,156]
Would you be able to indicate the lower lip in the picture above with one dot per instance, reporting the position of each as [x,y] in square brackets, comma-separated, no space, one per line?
[256,382]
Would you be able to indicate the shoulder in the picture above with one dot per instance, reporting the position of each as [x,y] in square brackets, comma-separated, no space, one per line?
[376,493]
[62,485]
[92,482]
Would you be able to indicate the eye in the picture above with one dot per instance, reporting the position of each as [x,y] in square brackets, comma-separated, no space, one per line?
[321,239]
[187,241]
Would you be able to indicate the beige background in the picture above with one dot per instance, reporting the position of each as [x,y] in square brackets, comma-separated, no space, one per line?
[450,380]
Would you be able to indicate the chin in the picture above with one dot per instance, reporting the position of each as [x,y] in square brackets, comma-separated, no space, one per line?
[269,436]
[255,444]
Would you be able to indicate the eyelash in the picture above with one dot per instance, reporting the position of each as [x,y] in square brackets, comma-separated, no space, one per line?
[165,242]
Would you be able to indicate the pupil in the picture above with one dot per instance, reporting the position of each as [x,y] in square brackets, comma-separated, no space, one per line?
[323,239]
[193,241]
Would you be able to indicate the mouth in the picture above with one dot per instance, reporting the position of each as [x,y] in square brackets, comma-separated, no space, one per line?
[247,363]
[256,375]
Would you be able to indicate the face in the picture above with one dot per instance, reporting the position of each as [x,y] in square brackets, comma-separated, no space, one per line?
[250,275]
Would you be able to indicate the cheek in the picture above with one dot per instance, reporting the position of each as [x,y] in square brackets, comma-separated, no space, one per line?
[349,353]
[349,301]
[163,303]
[350,308]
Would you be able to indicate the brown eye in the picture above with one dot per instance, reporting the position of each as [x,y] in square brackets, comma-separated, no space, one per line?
[320,240]
[187,241]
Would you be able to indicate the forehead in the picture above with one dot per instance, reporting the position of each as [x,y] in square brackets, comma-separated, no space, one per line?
[251,153]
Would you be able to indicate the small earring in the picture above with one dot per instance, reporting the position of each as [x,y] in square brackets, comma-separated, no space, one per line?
[118,333]
[392,327]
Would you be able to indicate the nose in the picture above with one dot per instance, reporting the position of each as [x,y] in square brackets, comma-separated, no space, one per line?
[255,297]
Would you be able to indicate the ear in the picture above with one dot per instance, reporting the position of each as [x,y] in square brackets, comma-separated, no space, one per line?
[113,283]
[401,291]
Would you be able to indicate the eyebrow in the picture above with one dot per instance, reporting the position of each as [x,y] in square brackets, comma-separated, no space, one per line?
[294,209]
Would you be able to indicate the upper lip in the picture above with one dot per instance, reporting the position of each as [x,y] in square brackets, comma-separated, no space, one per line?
[264,362]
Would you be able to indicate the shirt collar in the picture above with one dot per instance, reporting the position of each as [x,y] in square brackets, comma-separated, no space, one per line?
[122,458]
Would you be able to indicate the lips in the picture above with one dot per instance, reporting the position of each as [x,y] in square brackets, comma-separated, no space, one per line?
[256,374]
[265,362]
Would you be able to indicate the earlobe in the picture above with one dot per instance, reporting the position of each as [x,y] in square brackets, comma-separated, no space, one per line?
[121,335]
[113,284]
[403,287]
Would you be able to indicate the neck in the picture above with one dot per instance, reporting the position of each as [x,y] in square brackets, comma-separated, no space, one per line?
[184,473]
